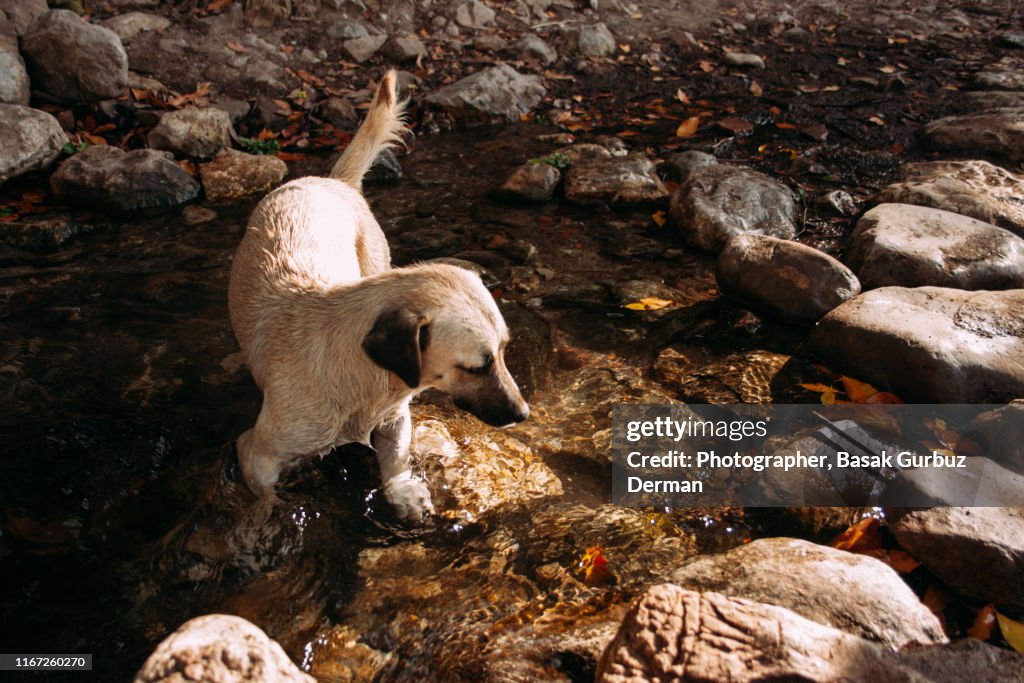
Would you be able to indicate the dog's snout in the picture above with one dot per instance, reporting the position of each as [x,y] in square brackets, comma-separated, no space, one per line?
[521,412]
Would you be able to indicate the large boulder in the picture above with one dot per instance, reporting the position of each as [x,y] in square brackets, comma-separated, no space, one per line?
[109,177]
[929,344]
[13,76]
[497,92]
[193,132]
[719,201]
[914,246]
[614,180]
[999,132]
[70,60]
[973,188]
[32,140]
[23,13]
[220,647]
[783,278]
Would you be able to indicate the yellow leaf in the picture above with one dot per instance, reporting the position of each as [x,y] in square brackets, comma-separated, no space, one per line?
[624,47]
[1013,632]
[820,388]
[858,391]
[659,218]
[649,303]
[688,128]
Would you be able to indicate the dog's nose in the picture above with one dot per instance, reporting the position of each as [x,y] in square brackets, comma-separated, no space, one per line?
[521,413]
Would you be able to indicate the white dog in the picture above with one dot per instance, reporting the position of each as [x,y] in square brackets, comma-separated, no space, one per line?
[340,343]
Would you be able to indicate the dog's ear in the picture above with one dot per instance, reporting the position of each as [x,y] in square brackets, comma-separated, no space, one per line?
[396,342]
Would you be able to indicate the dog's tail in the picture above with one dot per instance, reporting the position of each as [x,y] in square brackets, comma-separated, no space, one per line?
[383,128]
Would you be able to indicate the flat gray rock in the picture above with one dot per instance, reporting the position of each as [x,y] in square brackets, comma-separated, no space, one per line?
[124,181]
[854,593]
[13,76]
[914,246]
[595,40]
[70,61]
[193,132]
[361,49]
[614,180]
[32,140]
[131,24]
[928,344]
[720,201]
[499,91]
[978,551]
[233,174]
[999,132]
[474,14]
[973,188]
[783,278]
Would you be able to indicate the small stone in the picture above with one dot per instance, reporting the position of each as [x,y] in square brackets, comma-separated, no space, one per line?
[595,41]
[193,132]
[32,140]
[346,30]
[999,80]
[743,60]
[533,48]
[23,13]
[14,85]
[499,91]
[266,13]
[361,49]
[616,180]
[474,15]
[385,168]
[401,49]
[532,182]
[1010,39]
[997,131]
[337,111]
[581,151]
[489,42]
[681,166]
[129,25]
[837,202]
[233,174]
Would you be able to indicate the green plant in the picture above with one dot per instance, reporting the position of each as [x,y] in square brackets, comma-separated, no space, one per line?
[71,147]
[558,160]
[254,146]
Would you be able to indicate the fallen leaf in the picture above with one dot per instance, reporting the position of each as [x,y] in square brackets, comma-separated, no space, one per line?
[1013,632]
[807,88]
[883,397]
[734,125]
[887,69]
[649,303]
[659,218]
[595,568]
[901,561]
[936,599]
[984,624]
[857,391]
[625,47]
[235,46]
[864,536]
[877,120]
[706,66]
[688,128]
[755,89]
[682,96]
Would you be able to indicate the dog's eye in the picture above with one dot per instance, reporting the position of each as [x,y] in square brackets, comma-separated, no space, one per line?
[482,369]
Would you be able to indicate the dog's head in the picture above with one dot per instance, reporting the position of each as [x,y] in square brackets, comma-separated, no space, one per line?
[450,335]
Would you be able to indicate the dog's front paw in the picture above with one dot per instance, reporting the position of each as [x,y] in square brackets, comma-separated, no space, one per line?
[410,496]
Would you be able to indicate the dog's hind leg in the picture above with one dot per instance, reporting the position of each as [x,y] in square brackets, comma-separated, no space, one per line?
[407,492]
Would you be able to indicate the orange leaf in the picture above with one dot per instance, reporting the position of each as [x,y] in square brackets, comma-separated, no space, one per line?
[883,397]
[857,391]
[901,561]
[688,128]
[659,218]
[984,623]
[862,537]
[595,568]
[290,156]
[649,303]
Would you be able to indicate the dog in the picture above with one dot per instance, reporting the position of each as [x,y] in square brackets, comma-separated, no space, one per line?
[340,342]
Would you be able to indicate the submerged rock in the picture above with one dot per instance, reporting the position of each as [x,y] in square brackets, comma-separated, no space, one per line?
[720,201]
[70,60]
[929,344]
[973,188]
[193,132]
[999,132]
[499,91]
[32,140]
[110,177]
[788,279]
[697,376]
[854,593]
[235,174]
[616,180]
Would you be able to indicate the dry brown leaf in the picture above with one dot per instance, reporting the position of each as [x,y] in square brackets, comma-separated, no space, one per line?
[984,624]
[755,89]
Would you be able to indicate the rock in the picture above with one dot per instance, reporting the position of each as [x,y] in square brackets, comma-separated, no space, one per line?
[743,59]
[532,182]
[474,14]
[1001,433]
[129,25]
[361,49]
[193,132]
[854,593]
[533,48]
[720,201]
[13,76]
[32,140]
[583,151]
[44,235]
[595,40]
[233,174]
[266,13]
[672,634]
[973,188]
[696,376]
[979,100]
[914,246]
[401,49]
[683,165]
[977,551]
[489,42]
[999,132]
[71,61]
[23,13]
[425,243]
[1010,39]
[219,647]
[616,180]
[499,91]
[793,281]
[346,30]
[965,660]
[837,202]
[197,215]
[528,354]
[385,168]
[999,80]
[110,177]
[928,344]
[337,111]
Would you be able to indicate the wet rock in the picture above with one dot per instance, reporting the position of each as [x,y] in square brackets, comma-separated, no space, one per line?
[474,14]
[965,660]
[837,202]
[499,91]
[583,151]
[980,100]
[532,182]
[999,132]
[266,13]
[129,25]
[721,201]
[71,61]
[683,165]
[1001,433]
[13,76]
[854,593]
[219,647]
[528,354]
[889,337]
[197,215]
[743,60]
[627,180]
[193,132]
[45,235]
[339,655]
[361,49]
[110,177]
[1010,39]
[533,48]
[403,48]
[23,13]
[385,169]
[673,634]
[783,278]
[337,111]
[977,551]
[913,246]
[430,242]
[32,140]
[999,80]
[973,188]
[595,40]
[697,376]
[233,174]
